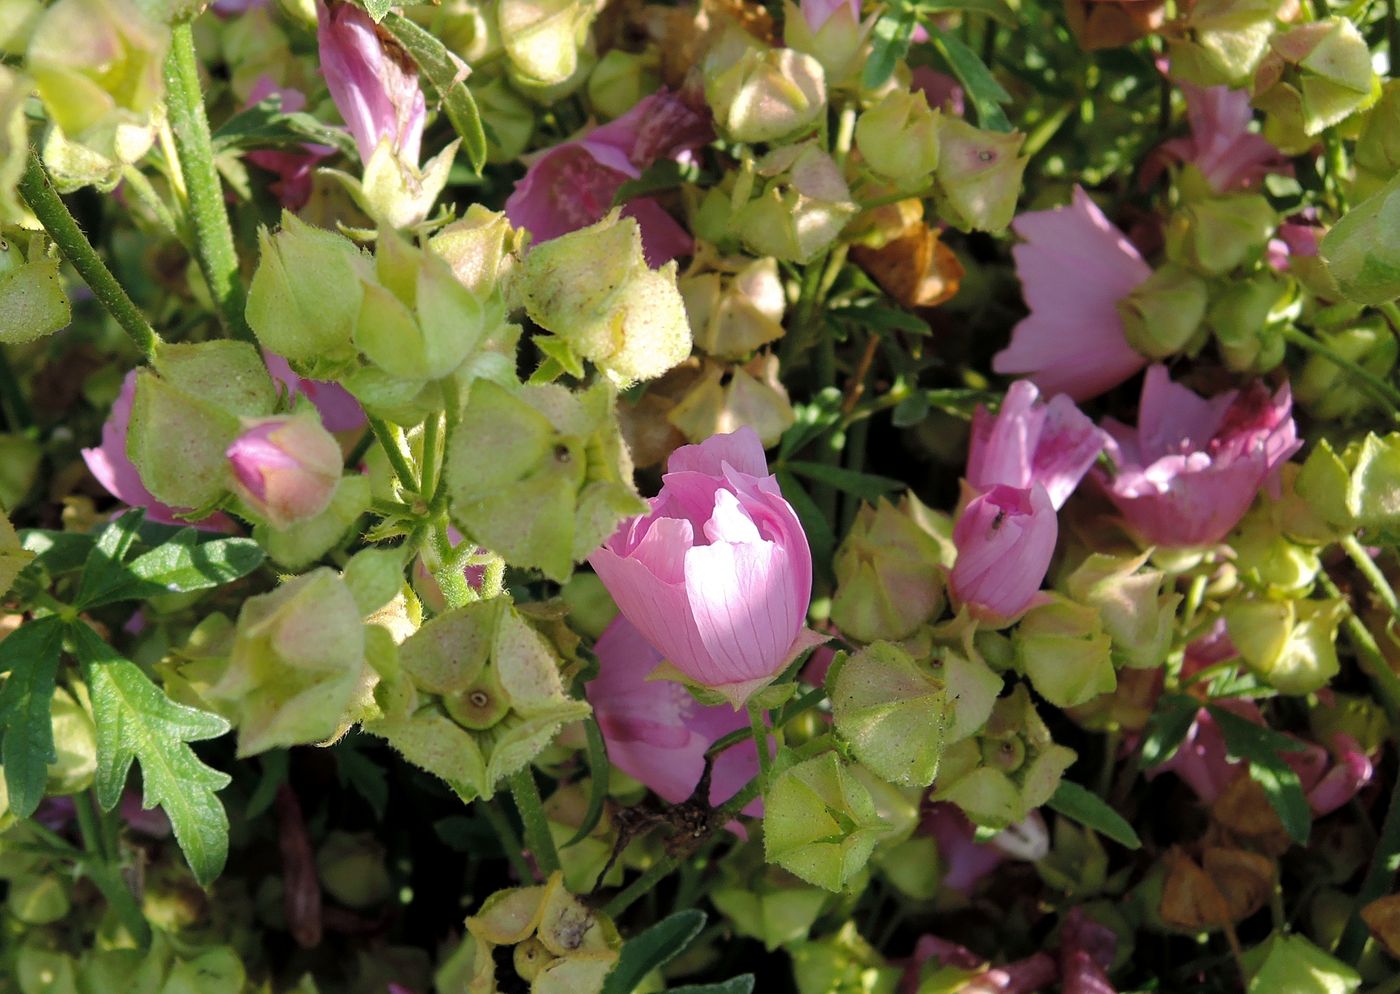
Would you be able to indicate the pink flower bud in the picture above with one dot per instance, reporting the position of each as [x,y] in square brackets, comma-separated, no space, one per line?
[1005,538]
[1220,145]
[285,468]
[718,576]
[1029,442]
[374,87]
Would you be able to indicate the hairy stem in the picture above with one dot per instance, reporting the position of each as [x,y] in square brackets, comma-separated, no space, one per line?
[526,794]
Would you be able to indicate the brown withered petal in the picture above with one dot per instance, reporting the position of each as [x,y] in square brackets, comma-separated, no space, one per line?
[649,435]
[1227,886]
[1382,917]
[1243,809]
[683,35]
[1098,24]
[301,890]
[916,269]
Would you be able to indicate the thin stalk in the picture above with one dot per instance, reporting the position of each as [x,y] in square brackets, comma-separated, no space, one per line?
[493,578]
[1377,882]
[357,453]
[137,182]
[759,731]
[448,574]
[12,402]
[213,237]
[431,463]
[1372,660]
[509,840]
[63,228]
[389,442]
[526,794]
[1378,387]
[1367,567]
[1391,312]
[93,841]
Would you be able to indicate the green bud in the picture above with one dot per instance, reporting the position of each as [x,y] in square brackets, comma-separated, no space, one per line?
[1163,313]
[819,822]
[843,963]
[839,45]
[1246,318]
[762,94]
[979,175]
[13,556]
[1377,152]
[32,301]
[395,193]
[479,697]
[1290,644]
[1138,614]
[1362,250]
[764,902]
[912,866]
[1373,496]
[1062,647]
[888,573]
[98,67]
[892,712]
[1326,389]
[803,207]
[542,38]
[1324,484]
[417,321]
[1215,235]
[302,544]
[509,117]
[594,289]
[898,137]
[621,79]
[297,673]
[539,474]
[1315,76]
[734,311]
[351,869]
[306,292]
[1271,561]
[1077,864]
[1291,963]
[1225,42]
[479,249]
[39,899]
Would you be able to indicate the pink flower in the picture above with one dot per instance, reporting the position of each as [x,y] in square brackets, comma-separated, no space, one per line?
[1005,538]
[940,90]
[1298,236]
[285,468]
[293,168]
[1200,759]
[1029,442]
[572,185]
[338,409]
[1188,472]
[108,462]
[1086,952]
[718,576]
[817,12]
[1331,779]
[967,861]
[1026,976]
[1221,146]
[1074,267]
[375,88]
[656,731]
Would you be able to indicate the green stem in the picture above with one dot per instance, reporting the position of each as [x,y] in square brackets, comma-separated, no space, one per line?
[357,453]
[449,576]
[493,579]
[1368,653]
[1379,877]
[63,228]
[137,182]
[526,794]
[759,731]
[1379,387]
[510,841]
[12,403]
[93,841]
[99,866]
[1367,567]
[1391,312]
[389,442]
[431,464]
[213,238]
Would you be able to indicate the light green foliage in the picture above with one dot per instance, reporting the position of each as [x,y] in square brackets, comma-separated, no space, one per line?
[819,822]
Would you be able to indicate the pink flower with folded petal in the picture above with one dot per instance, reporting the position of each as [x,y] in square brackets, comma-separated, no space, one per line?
[718,576]
[1331,779]
[1190,469]
[1005,538]
[656,731]
[967,861]
[108,462]
[1025,976]
[943,92]
[817,12]
[1074,268]
[374,86]
[339,410]
[1221,146]
[572,185]
[285,468]
[292,168]
[1029,441]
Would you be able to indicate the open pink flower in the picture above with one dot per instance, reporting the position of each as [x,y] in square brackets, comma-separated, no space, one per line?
[718,576]
[108,462]
[1191,468]
[572,185]
[656,731]
[1005,538]
[1220,145]
[293,168]
[374,87]
[1074,268]
[1029,442]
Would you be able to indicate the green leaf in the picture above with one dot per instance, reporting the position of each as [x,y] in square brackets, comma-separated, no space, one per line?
[889,44]
[742,984]
[998,10]
[882,317]
[867,486]
[653,948]
[376,9]
[1167,727]
[135,720]
[266,124]
[447,74]
[982,87]
[812,421]
[30,656]
[181,565]
[664,174]
[598,769]
[102,570]
[57,552]
[1087,808]
[1260,748]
